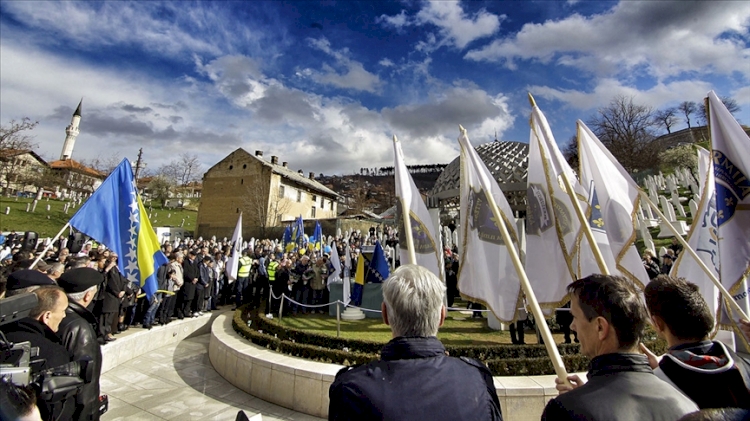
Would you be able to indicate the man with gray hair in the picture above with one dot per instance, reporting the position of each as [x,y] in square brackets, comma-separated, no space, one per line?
[414,379]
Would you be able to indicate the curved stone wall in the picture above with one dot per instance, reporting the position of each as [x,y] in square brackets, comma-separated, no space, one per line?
[302,385]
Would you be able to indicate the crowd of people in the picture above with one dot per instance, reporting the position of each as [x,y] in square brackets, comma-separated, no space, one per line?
[83,302]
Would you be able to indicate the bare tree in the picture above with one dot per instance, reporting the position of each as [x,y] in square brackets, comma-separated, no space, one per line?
[104,165]
[728,102]
[183,170]
[14,140]
[570,152]
[666,117]
[160,188]
[687,108]
[627,130]
[264,207]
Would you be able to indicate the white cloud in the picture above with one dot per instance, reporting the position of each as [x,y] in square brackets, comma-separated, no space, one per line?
[386,62]
[345,73]
[663,38]
[455,27]
[657,96]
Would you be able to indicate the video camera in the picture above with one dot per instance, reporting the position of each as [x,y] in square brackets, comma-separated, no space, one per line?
[19,363]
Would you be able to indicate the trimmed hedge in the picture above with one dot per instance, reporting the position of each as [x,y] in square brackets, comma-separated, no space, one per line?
[502,360]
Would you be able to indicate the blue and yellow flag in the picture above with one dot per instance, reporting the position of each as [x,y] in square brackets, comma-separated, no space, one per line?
[359,281]
[379,270]
[318,236]
[114,215]
[287,239]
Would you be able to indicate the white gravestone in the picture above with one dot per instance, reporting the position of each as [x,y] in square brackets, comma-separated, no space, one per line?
[664,231]
[677,205]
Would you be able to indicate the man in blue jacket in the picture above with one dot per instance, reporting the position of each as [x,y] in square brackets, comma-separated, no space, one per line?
[414,379]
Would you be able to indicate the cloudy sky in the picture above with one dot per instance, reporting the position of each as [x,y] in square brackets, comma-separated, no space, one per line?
[325,85]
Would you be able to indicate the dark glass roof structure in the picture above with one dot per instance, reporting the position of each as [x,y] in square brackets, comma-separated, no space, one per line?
[507,161]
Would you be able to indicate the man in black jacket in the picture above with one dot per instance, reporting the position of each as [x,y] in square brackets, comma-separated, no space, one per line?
[610,319]
[708,372]
[190,274]
[414,379]
[40,328]
[78,334]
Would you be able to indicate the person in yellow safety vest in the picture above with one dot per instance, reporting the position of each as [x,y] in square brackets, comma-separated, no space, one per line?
[243,278]
[277,288]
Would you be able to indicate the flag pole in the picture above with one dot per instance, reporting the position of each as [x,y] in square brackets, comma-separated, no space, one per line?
[549,341]
[407,225]
[579,212]
[49,246]
[736,307]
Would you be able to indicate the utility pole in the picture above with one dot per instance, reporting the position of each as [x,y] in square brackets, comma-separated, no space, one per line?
[138,164]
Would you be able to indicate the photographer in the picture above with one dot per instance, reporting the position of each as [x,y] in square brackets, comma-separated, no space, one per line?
[40,328]
[78,334]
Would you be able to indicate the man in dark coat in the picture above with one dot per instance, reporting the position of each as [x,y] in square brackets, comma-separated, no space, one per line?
[708,372]
[414,379]
[111,296]
[190,273]
[78,334]
[40,328]
[610,319]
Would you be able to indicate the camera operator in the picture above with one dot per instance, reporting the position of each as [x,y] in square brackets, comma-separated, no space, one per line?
[40,328]
[78,334]
[18,402]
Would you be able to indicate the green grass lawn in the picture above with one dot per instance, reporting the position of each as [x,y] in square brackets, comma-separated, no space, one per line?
[48,224]
[459,329]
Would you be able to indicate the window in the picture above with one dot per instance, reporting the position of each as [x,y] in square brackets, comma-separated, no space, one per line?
[231,166]
[312,212]
[281,192]
[242,181]
[244,166]
[299,195]
[314,198]
[331,204]
[322,202]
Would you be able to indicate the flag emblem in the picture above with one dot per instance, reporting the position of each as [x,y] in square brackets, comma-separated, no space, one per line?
[482,220]
[732,186]
[539,219]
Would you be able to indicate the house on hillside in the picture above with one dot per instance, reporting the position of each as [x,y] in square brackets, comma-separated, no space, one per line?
[20,170]
[267,193]
[75,179]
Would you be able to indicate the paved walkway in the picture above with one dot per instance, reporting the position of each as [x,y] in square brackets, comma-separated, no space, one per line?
[178,383]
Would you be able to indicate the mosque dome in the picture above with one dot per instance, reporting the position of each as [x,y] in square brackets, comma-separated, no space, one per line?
[507,161]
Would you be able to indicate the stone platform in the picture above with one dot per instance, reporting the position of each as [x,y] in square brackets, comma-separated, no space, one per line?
[165,374]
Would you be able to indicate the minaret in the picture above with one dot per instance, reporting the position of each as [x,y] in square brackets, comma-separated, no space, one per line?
[70,134]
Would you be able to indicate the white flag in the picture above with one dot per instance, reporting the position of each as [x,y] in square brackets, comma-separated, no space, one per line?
[233,262]
[487,274]
[618,198]
[336,263]
[703,238]
[731,161]
[347,293]
[552,227]
[410,204]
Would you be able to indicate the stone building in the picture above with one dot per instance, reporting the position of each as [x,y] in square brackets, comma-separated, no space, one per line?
[267,193]
[20,170]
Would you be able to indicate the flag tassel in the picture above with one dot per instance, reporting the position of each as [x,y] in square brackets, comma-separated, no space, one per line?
[732,303]
[549,341]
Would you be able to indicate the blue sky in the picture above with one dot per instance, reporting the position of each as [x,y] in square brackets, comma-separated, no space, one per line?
[324,85]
